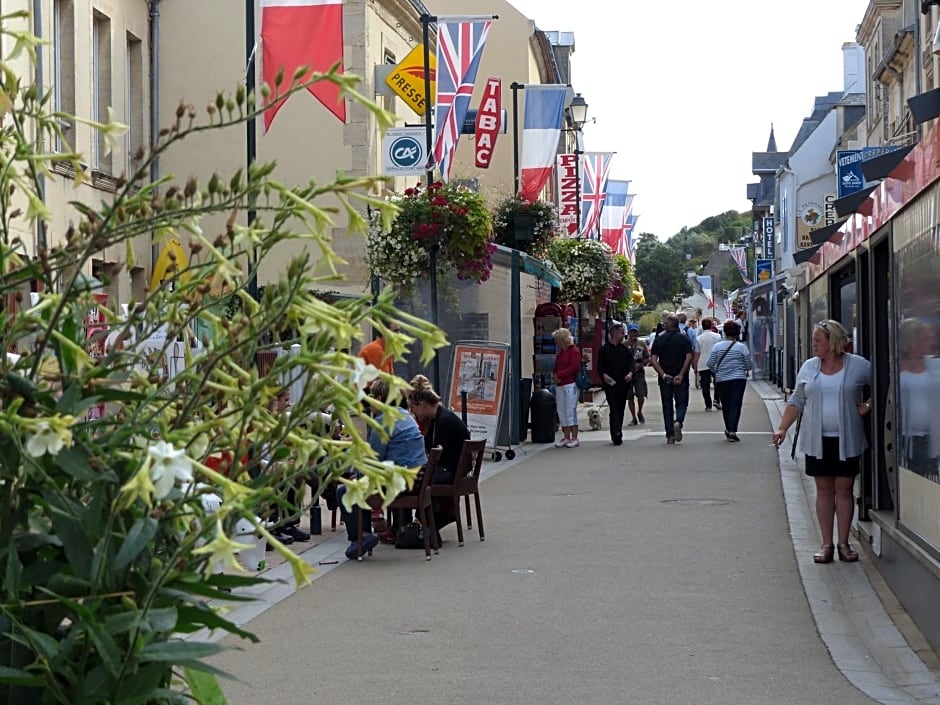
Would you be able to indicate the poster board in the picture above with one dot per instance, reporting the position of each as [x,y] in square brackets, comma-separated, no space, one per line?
[480,368]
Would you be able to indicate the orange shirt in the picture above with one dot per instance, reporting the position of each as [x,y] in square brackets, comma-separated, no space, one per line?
[374,354]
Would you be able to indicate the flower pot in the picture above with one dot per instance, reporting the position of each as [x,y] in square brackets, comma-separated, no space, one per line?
[523,227]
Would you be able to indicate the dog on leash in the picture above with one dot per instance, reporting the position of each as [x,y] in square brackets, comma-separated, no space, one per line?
[594,418]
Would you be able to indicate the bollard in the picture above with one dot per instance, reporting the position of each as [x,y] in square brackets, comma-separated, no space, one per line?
[316,525]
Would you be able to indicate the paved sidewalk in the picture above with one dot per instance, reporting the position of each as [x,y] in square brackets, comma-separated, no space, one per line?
[640,574]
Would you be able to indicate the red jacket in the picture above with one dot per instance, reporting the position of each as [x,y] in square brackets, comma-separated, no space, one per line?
[567,364]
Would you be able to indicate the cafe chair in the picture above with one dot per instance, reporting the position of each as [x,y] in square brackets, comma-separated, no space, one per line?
[466,483]
[418,501]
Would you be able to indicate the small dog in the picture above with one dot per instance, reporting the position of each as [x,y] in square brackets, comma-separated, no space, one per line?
[594,418]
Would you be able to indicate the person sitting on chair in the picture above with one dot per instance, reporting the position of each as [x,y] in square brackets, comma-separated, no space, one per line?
[447,430]
[404,447]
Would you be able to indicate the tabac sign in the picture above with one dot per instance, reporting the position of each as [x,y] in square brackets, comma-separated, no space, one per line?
[407,79]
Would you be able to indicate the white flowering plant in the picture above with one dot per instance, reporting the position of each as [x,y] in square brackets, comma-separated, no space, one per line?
[109,455]
[586,266]
[539,217]
[447,217]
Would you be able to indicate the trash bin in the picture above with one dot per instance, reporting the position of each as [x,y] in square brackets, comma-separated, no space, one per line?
[542,407]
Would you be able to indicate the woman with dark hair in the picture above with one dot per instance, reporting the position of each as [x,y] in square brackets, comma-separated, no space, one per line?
[828,390]
[730,363]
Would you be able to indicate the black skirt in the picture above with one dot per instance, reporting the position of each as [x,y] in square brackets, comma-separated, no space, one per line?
[829,465]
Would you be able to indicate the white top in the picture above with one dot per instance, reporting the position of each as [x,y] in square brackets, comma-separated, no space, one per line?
[706,341]
[916,393]
[830,386]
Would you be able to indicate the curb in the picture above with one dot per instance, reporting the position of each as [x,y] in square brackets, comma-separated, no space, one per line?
[863,641]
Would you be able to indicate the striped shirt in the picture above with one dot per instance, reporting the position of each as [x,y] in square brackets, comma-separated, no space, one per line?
[735,365]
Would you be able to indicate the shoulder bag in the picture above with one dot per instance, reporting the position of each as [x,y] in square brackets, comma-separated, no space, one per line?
[583,380]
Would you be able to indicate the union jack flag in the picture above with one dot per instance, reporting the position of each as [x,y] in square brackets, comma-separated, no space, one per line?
[739,255]
[595,166]
[629,236]
[459,48]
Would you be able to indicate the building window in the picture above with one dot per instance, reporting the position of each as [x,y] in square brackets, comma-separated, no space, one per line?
[101,88]
[134,99]
[63,65]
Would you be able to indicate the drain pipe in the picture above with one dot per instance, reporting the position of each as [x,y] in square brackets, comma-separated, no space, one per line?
[154,110]
[41,243]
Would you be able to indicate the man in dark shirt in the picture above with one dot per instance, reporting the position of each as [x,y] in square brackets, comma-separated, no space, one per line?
[671,358]
[614,366]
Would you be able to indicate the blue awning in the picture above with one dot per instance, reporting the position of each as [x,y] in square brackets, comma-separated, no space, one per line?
[540,269]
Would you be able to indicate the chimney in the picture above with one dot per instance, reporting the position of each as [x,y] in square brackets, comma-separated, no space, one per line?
[853,68]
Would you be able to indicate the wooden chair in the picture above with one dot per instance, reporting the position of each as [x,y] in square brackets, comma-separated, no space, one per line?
[466,483]
[419,501]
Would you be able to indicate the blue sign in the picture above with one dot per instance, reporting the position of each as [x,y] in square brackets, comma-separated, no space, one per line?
[849,167]
[470,122]
[763,270]
[405,152]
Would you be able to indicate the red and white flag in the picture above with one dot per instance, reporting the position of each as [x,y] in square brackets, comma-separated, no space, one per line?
[296,33]
[544,111]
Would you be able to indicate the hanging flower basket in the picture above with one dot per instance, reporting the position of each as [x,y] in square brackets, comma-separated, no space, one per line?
[586,267]
[620,295]
[525,226]
[444,216]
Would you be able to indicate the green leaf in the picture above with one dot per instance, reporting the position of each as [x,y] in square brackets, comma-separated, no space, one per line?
[177,651]
[205,687]
[69,518]
[193,618]
[42,644]
[74,461]
[142,687]
[15,676]
[140,535]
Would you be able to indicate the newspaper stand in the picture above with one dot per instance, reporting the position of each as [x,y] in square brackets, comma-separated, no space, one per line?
[480,385]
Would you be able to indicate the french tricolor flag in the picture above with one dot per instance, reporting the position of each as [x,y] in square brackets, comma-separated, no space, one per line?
[544,110]
[614,215]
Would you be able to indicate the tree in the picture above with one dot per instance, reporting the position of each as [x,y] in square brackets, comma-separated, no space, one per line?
[660,271]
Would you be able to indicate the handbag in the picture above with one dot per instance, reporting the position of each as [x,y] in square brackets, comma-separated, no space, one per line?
[722,358]
[410,536]
[583,380]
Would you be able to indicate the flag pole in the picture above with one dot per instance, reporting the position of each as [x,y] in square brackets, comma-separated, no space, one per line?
[251,147]
[515,133]
[426,21]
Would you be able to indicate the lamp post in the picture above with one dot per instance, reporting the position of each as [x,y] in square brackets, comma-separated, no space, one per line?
[578,114]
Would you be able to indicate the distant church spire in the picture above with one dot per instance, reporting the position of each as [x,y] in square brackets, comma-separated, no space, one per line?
[772,142]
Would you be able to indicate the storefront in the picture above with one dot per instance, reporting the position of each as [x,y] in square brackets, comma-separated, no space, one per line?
[880,276]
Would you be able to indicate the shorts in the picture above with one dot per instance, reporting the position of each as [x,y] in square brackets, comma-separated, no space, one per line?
[637,387]
[829,465]
[566,400]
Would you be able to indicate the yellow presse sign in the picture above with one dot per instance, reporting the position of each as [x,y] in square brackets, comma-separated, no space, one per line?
[407,79]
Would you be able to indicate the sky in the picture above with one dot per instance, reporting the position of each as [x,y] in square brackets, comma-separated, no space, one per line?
[684,90]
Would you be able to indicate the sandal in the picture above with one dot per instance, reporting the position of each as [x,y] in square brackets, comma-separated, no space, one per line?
[846,553]
[825,554]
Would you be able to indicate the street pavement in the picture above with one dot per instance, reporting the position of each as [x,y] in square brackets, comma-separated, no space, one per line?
[645,573]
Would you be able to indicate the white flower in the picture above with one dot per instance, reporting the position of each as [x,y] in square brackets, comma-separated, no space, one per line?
[46,439]
[169,465]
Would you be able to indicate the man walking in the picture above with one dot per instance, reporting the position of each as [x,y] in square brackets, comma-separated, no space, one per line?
[706,341]
[614,366]
[671,358]
[637,391]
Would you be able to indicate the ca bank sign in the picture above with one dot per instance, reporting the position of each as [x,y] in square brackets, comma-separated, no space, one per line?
[404,151]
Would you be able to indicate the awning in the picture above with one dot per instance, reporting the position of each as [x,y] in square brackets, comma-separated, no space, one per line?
[882,165]
[847,205]
[801,256]
[821,235]
[925,106]
[531,265]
